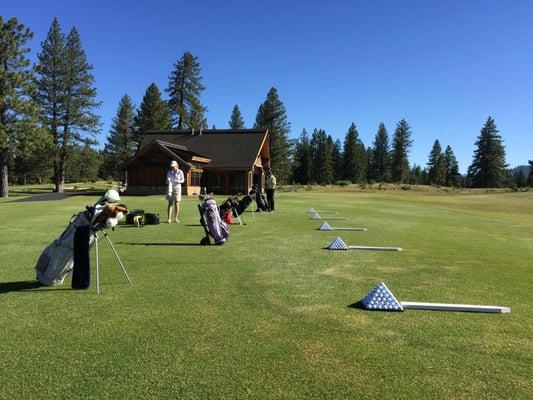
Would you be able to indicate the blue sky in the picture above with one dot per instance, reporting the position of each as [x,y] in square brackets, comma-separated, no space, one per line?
[444,66]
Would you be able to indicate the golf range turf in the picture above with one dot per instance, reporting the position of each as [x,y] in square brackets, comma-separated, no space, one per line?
[268,314]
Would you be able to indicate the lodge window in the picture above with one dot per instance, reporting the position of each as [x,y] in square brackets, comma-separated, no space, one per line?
[237,181]
[196,178]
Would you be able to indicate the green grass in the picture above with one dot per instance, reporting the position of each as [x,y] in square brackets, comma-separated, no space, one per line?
[267,316]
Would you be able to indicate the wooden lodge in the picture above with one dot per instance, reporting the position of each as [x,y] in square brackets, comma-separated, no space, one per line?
[222,160]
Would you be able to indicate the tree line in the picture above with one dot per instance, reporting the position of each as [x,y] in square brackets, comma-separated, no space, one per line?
[48,123]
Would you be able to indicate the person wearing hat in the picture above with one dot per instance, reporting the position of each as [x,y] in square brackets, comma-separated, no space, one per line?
[174,180]
[270,186]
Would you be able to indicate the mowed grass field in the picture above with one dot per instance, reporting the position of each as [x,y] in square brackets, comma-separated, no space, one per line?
[267,315]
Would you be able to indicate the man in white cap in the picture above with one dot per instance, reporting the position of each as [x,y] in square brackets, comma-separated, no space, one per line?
[174,181]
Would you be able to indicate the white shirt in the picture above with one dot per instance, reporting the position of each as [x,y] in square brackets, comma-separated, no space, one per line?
[174,180]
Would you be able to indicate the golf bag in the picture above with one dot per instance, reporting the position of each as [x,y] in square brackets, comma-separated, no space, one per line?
[227,208]
[57,260]
[243,204]
[212,223]
[81,274]
[260,200]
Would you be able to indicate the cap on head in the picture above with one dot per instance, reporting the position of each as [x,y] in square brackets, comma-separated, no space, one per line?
[174,163]
[112,196]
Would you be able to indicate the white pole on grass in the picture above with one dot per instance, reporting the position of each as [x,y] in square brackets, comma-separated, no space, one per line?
[380,298]
[326,227]
[338,244]
[318,217]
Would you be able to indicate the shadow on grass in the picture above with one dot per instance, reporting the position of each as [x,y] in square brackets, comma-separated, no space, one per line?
[159,244]
[357,305]
[27,286]
[20,286]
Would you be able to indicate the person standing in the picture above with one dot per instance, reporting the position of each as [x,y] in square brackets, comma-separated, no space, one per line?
[174,180]
[270,186]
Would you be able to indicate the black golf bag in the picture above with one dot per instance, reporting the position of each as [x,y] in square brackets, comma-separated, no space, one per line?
[212,223]
[243,204]
[227,208]
[260,199]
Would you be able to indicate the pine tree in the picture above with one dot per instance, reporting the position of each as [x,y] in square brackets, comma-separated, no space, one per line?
[520,179]
[353,156]
[416,175]
[153,113]
[488,168]
[50,70]
[436,165]
[17,109]
[303,162]
[84,164]
[380,165]
[321,153]
[185,88]
[272,115]
[530,175]
[236,121]
[121,141]
[401,143]
[453,178]
[370,161]
[336,160]
[67,95]
[32,161]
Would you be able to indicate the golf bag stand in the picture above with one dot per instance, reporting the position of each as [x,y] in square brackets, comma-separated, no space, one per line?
[98,261]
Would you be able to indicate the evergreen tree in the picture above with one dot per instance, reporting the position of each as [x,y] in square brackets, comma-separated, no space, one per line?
[401,143]
[370,161]
[303,162]
[32,161]
[271,115]
[353,157]
[453,178]
[185,88]
[17,109]
[152,115]
[121,142]
[436,165]
[380,165]
[236,121]
[530,175]
[336,160]
[67,95]
[416,175]
[84,164]
[520,179]
[488,168]
[322,163]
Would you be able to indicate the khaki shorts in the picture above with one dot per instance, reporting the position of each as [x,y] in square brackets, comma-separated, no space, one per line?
[175,196]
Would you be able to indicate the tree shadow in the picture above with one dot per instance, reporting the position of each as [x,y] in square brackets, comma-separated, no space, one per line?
[20,286]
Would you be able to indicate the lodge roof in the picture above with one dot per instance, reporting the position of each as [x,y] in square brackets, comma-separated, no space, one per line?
[226,148]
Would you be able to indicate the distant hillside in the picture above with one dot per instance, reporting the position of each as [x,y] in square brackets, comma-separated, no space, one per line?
[524,168]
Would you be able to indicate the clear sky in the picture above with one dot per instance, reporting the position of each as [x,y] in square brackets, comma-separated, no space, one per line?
[444,66]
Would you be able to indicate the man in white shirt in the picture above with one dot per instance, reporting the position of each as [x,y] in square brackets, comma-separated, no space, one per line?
[174,180]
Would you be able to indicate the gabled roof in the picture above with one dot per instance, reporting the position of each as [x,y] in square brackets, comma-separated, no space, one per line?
[226,148]
[174,152]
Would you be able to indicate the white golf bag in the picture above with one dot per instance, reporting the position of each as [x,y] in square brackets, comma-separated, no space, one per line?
[57,260]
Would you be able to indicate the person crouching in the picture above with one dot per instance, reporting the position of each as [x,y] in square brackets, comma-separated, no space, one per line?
[174,180]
